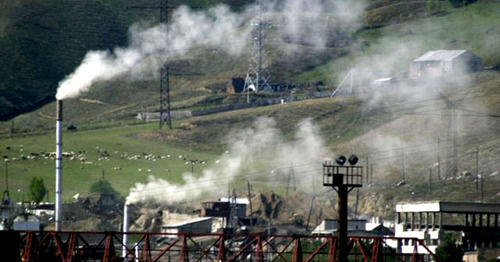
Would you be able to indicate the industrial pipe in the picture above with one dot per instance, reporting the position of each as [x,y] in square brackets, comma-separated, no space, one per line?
[58,190]
[125,230]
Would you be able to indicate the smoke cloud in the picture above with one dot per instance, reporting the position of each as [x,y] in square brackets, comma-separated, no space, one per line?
[422,110]
[260,152]
[150,47]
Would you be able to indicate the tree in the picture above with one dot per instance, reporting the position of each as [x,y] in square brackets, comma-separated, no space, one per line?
[37,189]
[102,187]
[448,251]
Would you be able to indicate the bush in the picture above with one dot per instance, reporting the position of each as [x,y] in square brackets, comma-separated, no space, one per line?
[448,251]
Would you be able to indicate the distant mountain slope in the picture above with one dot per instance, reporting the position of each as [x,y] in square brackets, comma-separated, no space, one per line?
[45,40]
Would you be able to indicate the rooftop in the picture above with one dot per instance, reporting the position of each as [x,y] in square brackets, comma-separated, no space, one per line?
[449,207]
[193,221]
[440,55]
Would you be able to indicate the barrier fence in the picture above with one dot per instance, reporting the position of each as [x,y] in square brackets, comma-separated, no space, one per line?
[108,246]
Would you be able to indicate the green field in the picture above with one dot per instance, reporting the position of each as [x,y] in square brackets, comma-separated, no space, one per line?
[120,143]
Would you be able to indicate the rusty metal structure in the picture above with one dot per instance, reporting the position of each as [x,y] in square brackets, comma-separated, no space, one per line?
[150,247]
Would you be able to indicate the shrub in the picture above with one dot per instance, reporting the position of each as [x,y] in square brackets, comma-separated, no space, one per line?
[102,187]
[448,251]
[37,189]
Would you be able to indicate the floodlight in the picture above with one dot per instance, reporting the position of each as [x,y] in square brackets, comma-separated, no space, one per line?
[353,159]
[340,160]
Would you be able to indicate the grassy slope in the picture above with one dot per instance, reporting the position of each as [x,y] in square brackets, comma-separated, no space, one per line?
[340,120]
[204,135]
[78,176]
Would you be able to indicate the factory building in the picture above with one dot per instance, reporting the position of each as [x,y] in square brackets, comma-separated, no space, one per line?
[476,223]
[355,227]
[201,225]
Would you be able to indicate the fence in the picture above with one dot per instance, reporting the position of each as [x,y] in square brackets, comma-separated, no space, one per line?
[108,246]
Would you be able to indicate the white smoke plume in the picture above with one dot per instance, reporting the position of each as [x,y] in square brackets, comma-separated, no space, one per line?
[259,152]
[217,27]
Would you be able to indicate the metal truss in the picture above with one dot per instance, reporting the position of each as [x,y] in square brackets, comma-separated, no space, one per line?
[151,247]
[258,74]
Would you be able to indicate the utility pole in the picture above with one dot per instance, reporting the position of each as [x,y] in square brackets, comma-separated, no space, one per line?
[439,160]
[291,178]
[403,164]
[477,167]
[371,174]
[11,133]
[313,201]
[455,143]
[482,189]
[350,81]
[249,197]
[430,179]
[6,175]
[367,170]
[452,157]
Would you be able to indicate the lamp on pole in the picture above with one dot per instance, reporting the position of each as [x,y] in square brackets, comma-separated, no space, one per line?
[343,179]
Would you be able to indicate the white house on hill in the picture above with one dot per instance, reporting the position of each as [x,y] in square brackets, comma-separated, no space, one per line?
[444,62]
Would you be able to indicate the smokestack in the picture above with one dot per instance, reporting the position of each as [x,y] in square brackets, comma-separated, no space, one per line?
[125,230]
[59,163]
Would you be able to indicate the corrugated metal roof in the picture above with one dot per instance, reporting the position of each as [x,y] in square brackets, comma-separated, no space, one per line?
[192,221]
[440,55]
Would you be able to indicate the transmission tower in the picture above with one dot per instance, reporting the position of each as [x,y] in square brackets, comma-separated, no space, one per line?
[164,75]
[163,7]
[165,96]
[258,73]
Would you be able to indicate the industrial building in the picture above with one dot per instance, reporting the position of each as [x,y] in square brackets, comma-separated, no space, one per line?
[444,62]
[202,225]
[476,223]
[355,227]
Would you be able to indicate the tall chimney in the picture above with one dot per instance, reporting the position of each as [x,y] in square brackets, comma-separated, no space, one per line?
[125,230]
[58,163]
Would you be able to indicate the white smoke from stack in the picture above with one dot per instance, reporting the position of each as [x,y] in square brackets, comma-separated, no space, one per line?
[218,27]
[259,152]
[215,28]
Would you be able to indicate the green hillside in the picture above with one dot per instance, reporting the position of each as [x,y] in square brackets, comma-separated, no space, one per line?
[377,124]
[42,41]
